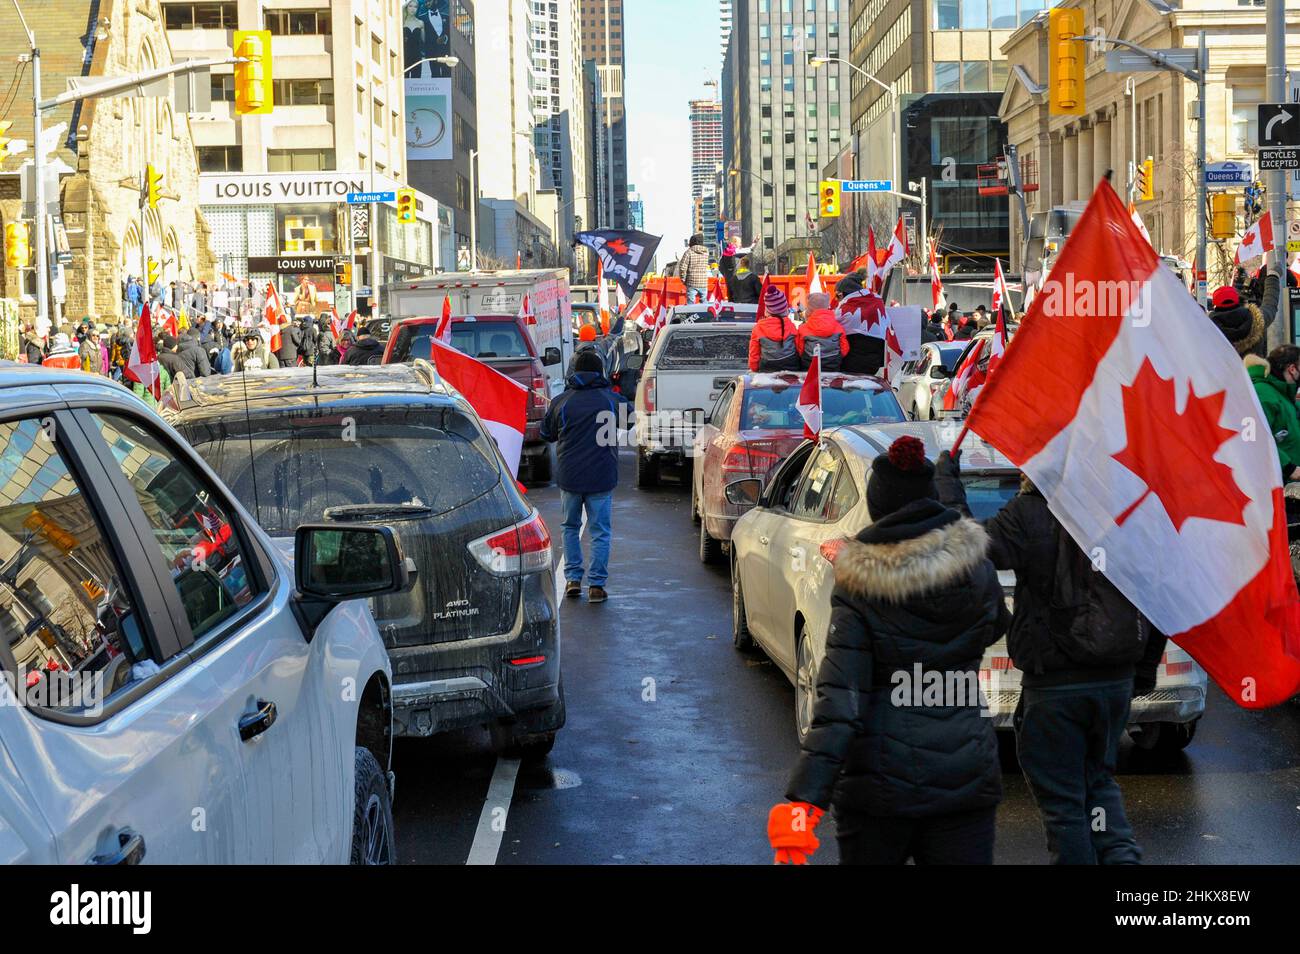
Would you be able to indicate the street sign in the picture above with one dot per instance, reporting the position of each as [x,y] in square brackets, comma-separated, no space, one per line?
[1279,125]
[1128,61]
[1229,174]
[1288,158]
[866,185]
[366,198]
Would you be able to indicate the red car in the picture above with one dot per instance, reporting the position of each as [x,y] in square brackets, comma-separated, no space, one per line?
[755,424]
[504,343]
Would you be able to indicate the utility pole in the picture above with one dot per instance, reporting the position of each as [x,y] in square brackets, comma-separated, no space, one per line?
[1280,330]
[38,173]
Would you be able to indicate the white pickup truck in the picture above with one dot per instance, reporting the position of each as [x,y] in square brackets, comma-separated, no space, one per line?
[689,365]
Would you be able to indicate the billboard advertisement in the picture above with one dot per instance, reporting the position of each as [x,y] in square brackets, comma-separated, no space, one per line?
[426,26]
[428,119]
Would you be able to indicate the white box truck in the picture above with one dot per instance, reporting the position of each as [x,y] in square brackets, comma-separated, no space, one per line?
[482,294]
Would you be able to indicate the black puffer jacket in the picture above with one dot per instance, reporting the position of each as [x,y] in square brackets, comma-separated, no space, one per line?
[914,589]
[194,360]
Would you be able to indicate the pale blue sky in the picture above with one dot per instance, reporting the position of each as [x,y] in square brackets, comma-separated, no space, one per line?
[672,48]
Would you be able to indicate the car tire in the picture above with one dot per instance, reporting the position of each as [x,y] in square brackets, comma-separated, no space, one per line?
[741,637]
[647,471]
[805,685]
[372,813]
[710,547]
[1165,739]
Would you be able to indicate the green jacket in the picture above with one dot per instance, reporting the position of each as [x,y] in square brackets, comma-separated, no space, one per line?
[1278,400]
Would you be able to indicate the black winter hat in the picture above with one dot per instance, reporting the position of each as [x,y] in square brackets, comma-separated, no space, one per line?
[588,359]
[697,239]
[899,477]
[1243,326]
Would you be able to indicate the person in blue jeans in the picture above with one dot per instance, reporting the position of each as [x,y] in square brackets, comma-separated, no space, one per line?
[584,423]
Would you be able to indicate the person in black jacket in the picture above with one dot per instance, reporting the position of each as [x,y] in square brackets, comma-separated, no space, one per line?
[169,357]
[367,349]
[584,423]
[744,287]
[911,772]
[194,359]
[290,344]
[1084,651]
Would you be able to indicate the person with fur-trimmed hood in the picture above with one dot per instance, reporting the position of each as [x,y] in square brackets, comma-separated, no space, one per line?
[1243,322]
[898,745]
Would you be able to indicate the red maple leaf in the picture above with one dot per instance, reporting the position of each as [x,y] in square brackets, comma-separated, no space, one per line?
[617,246]
[1173,453]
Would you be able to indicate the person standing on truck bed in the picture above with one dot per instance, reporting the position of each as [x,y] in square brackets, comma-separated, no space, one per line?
[772,342]
[584,423]
[693,269]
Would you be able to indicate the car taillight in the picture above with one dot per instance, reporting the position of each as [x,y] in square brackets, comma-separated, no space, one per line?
[754,459]
[650,393]
[539,390]
[523,548]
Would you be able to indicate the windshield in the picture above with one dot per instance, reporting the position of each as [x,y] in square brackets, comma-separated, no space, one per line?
[698,349]
[774,409]
[416,460]
[948,357]
[986,495]
[495,339]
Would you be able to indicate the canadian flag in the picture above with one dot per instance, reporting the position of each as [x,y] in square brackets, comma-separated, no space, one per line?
[1152,450]
[896,252]
[810,398]
[968,378]
[1137,220]
[998,343]
[715,303]
[1257,241]
[143,362]
[167,321]
[874,280]
[893,353]
[336,324]
[1001,294]
[936,285]
[1292,268]
[639,313]
[761,312]
[443,330]
[272,318]
[814,280]
[868,308]
[526,311]
[500,402]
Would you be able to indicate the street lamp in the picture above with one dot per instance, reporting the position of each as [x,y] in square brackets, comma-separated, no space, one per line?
[734,172]
[818,61]
[451,62]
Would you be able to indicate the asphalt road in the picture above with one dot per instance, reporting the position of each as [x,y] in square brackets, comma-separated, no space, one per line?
[677,745]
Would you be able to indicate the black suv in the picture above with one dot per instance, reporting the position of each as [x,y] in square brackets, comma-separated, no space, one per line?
[477,640]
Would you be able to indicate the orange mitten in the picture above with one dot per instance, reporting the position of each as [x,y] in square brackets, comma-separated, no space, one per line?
[790,830]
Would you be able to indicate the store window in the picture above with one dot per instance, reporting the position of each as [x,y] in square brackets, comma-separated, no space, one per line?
[308,229]
[298,22]
[299,160]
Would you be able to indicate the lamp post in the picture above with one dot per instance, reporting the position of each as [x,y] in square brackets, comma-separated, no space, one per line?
[735,172]
[818,61]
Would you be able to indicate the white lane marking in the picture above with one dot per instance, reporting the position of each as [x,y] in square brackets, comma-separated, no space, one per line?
[492,820]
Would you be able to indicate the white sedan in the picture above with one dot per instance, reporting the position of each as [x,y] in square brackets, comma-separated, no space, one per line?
[174,691]
[782,574]
[920,379]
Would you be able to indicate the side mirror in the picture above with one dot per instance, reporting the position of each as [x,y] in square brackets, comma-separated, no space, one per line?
[551,356]
[633,362]
[744,493]
[938,371]
[332,563]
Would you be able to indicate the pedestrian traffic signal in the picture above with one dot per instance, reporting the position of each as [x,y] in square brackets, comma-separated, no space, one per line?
[406,205]
[18,246]
[829,190]
[342,273]
[153,272]
[1065,61]
[152,185]
[1223,215]
[1146,180]
[253,77]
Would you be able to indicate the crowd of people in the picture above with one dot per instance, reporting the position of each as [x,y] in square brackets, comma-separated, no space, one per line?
[200,331]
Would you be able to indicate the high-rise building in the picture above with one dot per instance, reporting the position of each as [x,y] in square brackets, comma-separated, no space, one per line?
[273,185]
[559,113]
[706,159]
[725,22]
[635,208]
[602,43]
[789,118]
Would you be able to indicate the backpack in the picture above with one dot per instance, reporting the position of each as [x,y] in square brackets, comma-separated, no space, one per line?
[779,355]
[830,346]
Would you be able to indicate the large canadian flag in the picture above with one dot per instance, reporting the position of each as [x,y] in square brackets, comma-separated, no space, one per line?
[968,378]
[893,353]
[272,318]
[1137,422]
[143,362]
[501,402]
[1257,241]
[896,252]
[1001,294]
[936,284]
[868,307]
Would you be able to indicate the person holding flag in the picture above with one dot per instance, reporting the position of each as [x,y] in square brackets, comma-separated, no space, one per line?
[913,591]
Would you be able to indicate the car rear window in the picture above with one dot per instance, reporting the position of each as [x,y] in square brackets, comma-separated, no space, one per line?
[948,357]
[492,339]
[687,348]
[774,408]
[986,494]
[292,467]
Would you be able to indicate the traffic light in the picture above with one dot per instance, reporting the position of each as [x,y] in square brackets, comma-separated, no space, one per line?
[342,273]
[1146,180]
[830,198]
[406,205]
[1223,215]
[253,78]
[152,185]
[153,271]
[1065,61]
[18,246]
[4,136]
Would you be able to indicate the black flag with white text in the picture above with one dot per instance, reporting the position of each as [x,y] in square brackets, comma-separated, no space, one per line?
[624,253]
